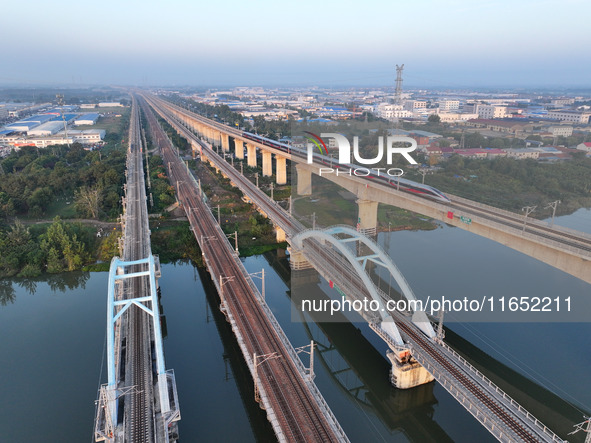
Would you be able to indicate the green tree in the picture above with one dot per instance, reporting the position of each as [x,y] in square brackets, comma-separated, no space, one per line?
[434,118]
[88,201]
[63,248]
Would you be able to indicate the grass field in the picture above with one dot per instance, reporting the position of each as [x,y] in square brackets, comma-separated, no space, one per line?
[109,123]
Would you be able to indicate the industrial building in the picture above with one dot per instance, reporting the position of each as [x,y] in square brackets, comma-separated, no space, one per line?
[87,136]
[570,116]
[87,119]
[29,123]
[49,128]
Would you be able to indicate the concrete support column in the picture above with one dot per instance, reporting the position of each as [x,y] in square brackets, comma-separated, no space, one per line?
[304,178]
[367,221]
[280,234]
[239,148]
[267,164]
[297,261]
[281,165]
[225,142]
[251,150]
[196,147]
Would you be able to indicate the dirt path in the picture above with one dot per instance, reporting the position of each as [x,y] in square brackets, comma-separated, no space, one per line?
[86,221]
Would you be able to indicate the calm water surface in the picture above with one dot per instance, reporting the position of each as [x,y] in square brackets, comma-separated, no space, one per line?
[53,335]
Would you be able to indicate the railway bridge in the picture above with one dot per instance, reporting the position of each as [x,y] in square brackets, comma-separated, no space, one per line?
[139,403]
[417,353]
[562,248]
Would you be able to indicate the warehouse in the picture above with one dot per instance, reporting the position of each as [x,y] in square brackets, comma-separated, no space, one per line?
[87,119]
[48,128]
[29,123]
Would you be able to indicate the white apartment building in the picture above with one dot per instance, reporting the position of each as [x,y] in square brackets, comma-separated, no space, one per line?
[415,105]
[491,111]
[570,116]
[391,112]
[449,105]
[561,131]
[562,101]
[522,153]
[447,117]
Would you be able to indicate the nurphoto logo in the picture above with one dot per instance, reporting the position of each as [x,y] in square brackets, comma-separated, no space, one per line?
[392,146]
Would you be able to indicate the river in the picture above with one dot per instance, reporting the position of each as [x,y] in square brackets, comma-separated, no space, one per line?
[53,333]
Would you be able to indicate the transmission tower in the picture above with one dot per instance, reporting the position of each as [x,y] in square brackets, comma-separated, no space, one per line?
[60,102]
[398,93]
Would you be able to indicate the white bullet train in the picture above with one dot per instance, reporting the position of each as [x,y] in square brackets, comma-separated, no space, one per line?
[401,184]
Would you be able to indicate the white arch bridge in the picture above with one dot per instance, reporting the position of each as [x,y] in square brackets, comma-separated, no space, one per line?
[418,355]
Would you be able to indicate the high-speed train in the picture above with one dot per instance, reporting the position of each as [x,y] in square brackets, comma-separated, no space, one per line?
[401,184]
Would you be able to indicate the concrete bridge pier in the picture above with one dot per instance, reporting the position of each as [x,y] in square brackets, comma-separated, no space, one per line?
[239,149]
[251,151]
[225,142]
[281,166]
[367,220]
[297,261]
[304,178]
[280,235]
[267,164]
[406,372]
[196,149]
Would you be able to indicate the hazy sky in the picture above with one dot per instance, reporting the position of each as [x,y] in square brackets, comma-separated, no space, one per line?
[452,43]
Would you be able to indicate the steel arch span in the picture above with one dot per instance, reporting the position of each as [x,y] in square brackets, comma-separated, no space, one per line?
[378,256]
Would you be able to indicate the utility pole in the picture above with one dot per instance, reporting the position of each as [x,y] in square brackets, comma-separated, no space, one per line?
[263,282]
[256,175]
[528,210]
[553,205]
[219,223]
[271,190]
[440,325]
[313,220]
[241,168]
[423,173]
[311,374]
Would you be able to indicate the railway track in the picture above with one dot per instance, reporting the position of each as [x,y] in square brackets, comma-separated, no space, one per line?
[139,411]
[300,416]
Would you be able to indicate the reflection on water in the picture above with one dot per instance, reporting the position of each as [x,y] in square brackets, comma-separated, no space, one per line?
[63,282]
[52,348]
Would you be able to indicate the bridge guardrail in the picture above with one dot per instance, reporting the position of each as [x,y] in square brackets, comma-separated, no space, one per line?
[532,222]
[500,392]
